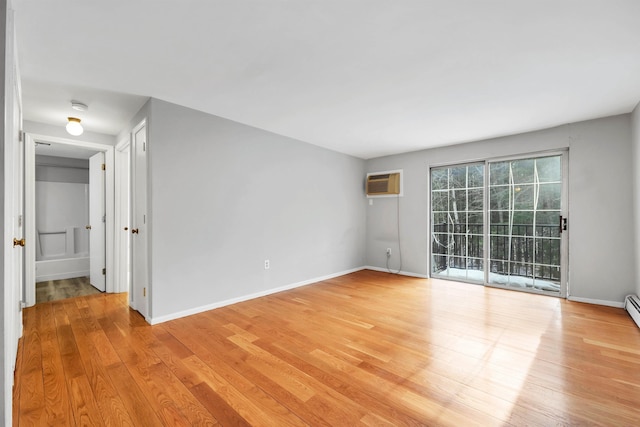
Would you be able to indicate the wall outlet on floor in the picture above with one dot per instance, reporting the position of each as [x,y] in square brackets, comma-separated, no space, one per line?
[388,252]
[267,264]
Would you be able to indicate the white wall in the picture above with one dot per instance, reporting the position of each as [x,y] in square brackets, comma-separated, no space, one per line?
[635,139]
[225,196]
[601,261]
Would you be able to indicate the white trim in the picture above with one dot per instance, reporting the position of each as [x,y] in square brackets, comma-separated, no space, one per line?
[58,140]
[401,273]
[122,174]
[109,208]
[517,156]
[380,196]
[29,221]
[597,301]
[203,308]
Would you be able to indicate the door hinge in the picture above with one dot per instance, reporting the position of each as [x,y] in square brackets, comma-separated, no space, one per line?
[144,292]
[104,271]
[104,167]
[144,146]
[21,136]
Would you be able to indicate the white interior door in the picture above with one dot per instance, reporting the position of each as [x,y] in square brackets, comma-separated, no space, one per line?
[139,295]
[14,193]
[12,181]
[97,222]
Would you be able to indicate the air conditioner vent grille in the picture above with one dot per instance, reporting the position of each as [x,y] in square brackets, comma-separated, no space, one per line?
[378,187]
[383,184]
[379,177]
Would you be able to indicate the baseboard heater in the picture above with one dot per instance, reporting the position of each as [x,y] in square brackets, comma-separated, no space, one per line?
[632,305]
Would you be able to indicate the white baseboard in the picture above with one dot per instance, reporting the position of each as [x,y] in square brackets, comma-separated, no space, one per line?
[401,272]
[203,308]
[597,301]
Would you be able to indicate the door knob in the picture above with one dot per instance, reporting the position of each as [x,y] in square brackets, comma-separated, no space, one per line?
[126,228]
[134,231]
[563,224]
[17,242]
[88,227]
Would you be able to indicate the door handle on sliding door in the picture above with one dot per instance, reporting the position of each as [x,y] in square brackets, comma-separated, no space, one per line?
[563,224]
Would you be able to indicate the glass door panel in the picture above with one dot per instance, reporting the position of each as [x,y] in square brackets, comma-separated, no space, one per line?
[525,202]
[457,225]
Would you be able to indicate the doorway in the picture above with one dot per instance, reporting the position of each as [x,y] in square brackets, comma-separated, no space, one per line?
[502,223]
[69,215]
[66,246]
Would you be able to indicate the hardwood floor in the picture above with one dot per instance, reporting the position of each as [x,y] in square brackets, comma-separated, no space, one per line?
[52,290]
[368,348]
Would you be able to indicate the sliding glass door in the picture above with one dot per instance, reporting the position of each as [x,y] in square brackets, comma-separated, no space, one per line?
[501,223]
[457,205]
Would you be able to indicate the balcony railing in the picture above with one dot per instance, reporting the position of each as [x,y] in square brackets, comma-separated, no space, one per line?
[532,254]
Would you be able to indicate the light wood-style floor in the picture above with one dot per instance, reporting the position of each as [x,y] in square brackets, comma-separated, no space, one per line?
[368,348]
[52,290]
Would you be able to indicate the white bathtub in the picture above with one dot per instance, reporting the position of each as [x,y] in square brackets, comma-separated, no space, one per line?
[62,254]
[65,268]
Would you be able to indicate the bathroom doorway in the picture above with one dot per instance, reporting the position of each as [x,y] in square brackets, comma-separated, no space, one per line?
[62,218]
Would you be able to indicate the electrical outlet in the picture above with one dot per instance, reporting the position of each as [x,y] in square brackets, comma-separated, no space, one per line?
[267,264]
[388,252]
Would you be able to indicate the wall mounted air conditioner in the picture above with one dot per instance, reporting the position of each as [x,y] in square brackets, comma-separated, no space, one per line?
[632,305]
[384,183]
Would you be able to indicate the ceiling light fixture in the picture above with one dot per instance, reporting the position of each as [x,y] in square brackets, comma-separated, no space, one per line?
[74,127]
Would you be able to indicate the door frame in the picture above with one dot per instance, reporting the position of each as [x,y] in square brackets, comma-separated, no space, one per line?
[122,260]
[564,210]
[30,224]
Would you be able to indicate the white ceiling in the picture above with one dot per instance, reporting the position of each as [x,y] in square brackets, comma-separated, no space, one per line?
[363,77]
